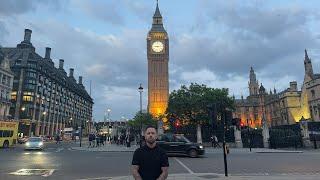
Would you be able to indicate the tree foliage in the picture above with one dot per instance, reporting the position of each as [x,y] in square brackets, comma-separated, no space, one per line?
[142,119]
[190,104]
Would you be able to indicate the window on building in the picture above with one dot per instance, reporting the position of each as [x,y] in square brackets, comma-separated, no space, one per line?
[312,93]
[4,79]
[14,95]
[32,64]
[28,98]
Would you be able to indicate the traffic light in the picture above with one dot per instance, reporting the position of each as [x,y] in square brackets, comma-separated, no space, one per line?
[177,124]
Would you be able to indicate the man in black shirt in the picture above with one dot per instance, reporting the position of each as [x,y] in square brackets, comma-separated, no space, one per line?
[150,162]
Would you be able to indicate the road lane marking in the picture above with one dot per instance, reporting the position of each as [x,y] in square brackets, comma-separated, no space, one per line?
[189,170]
[33,172]
[59,149]
[49,173]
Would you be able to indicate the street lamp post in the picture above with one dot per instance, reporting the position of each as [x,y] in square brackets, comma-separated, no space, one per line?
[80,132]
[109,122]
[43,122]
[249,138]
[140,89]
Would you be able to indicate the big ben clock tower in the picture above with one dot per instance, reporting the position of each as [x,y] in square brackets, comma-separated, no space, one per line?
[158,58]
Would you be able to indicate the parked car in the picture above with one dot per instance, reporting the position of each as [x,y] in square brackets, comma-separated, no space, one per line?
[34,143]
[178,144]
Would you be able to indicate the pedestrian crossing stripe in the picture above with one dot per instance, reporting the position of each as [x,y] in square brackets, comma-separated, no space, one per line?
[33,172]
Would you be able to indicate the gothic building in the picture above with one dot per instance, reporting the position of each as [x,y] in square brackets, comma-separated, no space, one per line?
[158,58]
[44,98]
[6,80]
[286,107]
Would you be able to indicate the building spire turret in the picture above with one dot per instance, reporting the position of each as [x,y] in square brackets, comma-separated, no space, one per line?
[307,67]
[157,25]
[157,13]
[253,83]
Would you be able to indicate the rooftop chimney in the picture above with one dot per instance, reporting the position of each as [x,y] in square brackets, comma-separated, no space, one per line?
[48,52]
[61,61]
[27,35]
[71,72]
[80,79]
[293,86]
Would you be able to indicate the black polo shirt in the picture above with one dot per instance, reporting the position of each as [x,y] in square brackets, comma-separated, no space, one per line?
[150,161]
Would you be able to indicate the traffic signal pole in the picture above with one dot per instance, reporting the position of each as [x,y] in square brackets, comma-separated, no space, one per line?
[224,144]
[213,111]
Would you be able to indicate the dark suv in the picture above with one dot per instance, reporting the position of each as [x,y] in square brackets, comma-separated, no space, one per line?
[178,144]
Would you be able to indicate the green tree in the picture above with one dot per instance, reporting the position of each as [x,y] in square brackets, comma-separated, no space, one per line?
[190,104]
[142,120]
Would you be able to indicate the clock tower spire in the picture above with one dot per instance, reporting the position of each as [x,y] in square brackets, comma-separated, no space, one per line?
[158,58]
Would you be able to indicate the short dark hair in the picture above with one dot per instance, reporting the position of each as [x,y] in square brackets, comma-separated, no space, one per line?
[150,126]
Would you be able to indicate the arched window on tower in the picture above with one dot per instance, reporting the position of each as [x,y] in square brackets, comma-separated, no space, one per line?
[312,93]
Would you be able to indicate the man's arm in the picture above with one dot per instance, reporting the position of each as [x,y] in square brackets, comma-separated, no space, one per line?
[135,172]
[164,173]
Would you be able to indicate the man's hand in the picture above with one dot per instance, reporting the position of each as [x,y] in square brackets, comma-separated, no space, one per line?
[135,172]
[164,173]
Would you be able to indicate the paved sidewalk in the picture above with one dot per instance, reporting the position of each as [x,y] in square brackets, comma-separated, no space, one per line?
[253,150]
[105,148]
[206,176]
[121,148]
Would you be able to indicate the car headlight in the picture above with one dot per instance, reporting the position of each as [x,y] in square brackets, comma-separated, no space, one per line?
[40,143]
[201,147]
[27,144]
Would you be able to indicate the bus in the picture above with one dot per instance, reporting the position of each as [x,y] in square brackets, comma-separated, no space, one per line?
[8,133]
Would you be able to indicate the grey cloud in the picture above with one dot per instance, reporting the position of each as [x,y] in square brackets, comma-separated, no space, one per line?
[257,19]
[121,60]
[106,11]
[139,9]
[3,31]
[246,36]
[12,7]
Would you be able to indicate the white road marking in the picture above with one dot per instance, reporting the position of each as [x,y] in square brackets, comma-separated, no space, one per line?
[96,178]
[34,172]
[49,173]
[59,149]
[189,170]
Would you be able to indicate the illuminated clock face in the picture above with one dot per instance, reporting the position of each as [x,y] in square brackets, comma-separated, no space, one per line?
[157,46]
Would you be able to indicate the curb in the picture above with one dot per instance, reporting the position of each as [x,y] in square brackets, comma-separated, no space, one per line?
[183,176]
[279,152]
[204,176]
[75,148]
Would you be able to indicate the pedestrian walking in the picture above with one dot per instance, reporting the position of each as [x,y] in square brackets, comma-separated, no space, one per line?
[90,140]
[216,142]
[57,139]
[98,140]
[94,140]
[128,142]
[102,139]
[150,161]
[142,141]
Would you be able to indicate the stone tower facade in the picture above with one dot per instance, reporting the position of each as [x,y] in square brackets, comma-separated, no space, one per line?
[307,67]
[281,108]
[158,58]
[253,83]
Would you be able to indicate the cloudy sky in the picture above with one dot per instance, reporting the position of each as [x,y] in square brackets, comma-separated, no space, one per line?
[214,42]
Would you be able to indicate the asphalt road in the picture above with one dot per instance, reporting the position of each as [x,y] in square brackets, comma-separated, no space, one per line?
[61,163]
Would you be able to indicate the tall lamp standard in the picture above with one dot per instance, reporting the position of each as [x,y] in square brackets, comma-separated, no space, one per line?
[140,89]
[109,122]
[43,122]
